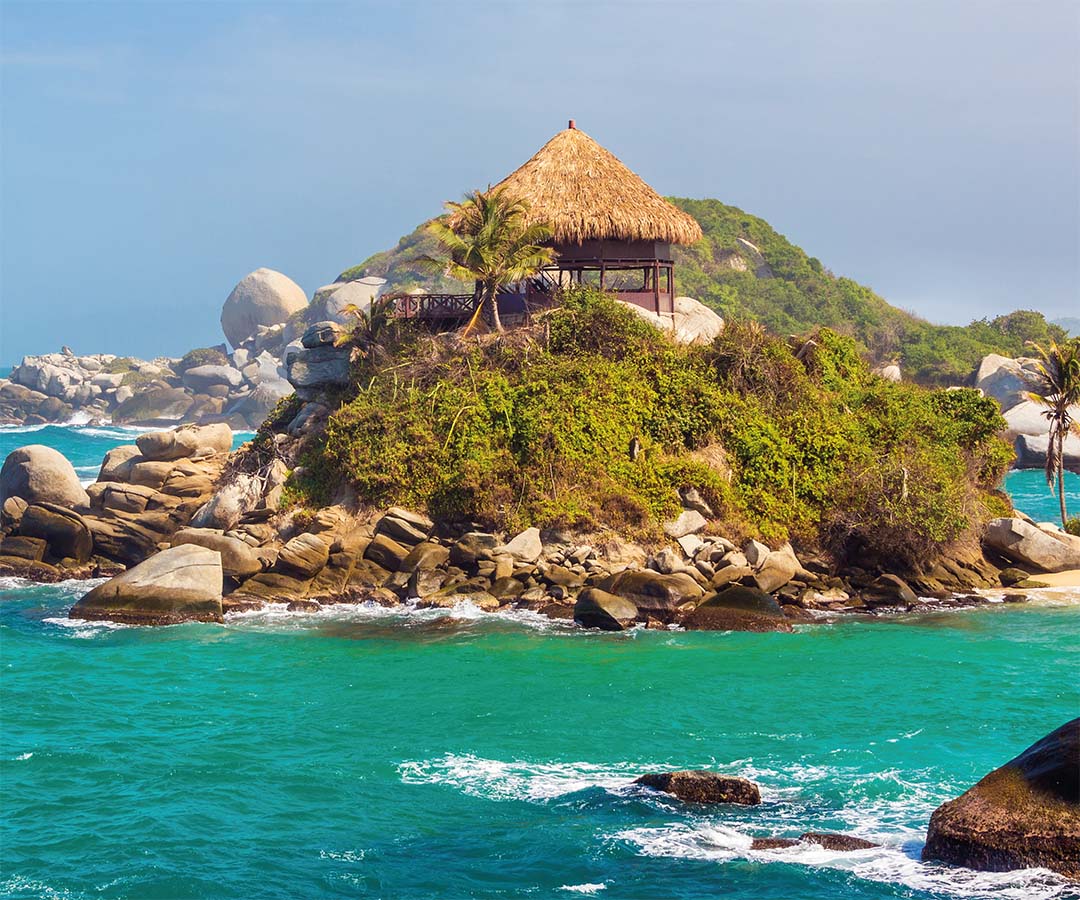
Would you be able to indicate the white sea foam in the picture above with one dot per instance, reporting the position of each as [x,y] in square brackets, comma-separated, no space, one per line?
[277,615]
[896,862]
[23,756]
[494,779]
[584,888]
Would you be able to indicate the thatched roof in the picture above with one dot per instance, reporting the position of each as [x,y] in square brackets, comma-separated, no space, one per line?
[583,192]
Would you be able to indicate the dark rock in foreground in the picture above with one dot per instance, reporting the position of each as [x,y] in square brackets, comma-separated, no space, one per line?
[704,787]
[1024,814]
[738,608]
[842,843]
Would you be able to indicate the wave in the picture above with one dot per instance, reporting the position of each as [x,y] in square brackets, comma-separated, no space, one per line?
[896,862]
[888,807]
[493,779]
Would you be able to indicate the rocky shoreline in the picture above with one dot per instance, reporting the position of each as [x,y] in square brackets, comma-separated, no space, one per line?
[187,532]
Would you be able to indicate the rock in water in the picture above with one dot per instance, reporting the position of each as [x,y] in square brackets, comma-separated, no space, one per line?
[263,297]
[1025,814]
[737,608]
[704,787]
[180,584]
[599,609]
[40,474]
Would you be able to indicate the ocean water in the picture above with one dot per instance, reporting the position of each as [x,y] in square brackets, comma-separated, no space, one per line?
[362,752]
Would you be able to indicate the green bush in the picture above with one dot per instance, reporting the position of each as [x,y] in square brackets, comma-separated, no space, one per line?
[201,356]
[1073,526]
[595,420]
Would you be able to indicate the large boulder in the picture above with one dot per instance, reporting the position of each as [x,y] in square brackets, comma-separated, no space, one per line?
[1006,380]
[703,787]
[1022,815]
[1021,542]
[229,503]
[157,405]
[314,369]
[691,322]
[187,440]
[695,323]
[179,584]
[525,547]
[117,463]
[652,591]
[1031,450]
[238,560]
[263,297]
[40,474]
[200,378]
[64,532]
[599,609]
[737,608]
[333,299]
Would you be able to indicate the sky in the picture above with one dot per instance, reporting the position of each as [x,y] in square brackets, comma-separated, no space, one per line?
[153,153]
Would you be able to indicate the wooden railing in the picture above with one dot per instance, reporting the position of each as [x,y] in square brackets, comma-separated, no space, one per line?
[433,306]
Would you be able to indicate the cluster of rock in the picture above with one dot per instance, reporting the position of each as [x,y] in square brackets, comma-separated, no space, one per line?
[51,528]
[1009,382]
[61,387]
[1025,814]
[263,319]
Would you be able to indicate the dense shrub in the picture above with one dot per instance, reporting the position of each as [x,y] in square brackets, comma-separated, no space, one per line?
[201,356]
[593,419]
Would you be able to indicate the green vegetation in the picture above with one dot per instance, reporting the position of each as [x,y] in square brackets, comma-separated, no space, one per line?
[201,356]
[1057,388]
[593,419]
[486,239]
[746,270]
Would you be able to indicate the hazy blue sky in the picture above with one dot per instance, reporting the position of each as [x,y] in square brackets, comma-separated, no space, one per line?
[154,153]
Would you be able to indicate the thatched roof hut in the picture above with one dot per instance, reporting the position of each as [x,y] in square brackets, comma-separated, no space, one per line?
[584,193]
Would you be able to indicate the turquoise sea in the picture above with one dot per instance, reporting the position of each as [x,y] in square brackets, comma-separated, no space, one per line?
[370,753]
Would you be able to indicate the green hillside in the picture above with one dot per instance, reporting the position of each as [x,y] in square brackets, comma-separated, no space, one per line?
[745,269]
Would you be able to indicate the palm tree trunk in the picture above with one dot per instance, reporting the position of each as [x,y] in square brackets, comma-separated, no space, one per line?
[1061,476]
[493,299]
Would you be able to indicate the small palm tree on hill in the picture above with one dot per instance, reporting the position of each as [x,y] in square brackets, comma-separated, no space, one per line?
[487,239]
[1057,387]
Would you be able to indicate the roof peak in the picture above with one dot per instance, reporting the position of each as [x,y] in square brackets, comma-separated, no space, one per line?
[584,192]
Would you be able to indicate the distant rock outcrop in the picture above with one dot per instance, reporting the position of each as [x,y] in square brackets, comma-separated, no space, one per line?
[262,298]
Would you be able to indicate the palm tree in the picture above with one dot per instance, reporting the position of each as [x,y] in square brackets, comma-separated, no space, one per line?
[1057,387]
[487,239]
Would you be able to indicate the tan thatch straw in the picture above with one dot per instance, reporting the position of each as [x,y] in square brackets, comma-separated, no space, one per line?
[583,192]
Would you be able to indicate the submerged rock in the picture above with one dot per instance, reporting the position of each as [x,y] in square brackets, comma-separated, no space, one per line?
[704,787]
[179,584]
[1024,814]
[843,843]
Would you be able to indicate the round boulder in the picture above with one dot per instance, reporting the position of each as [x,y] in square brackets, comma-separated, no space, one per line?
[264,297]
[40,474]
[1025,814]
